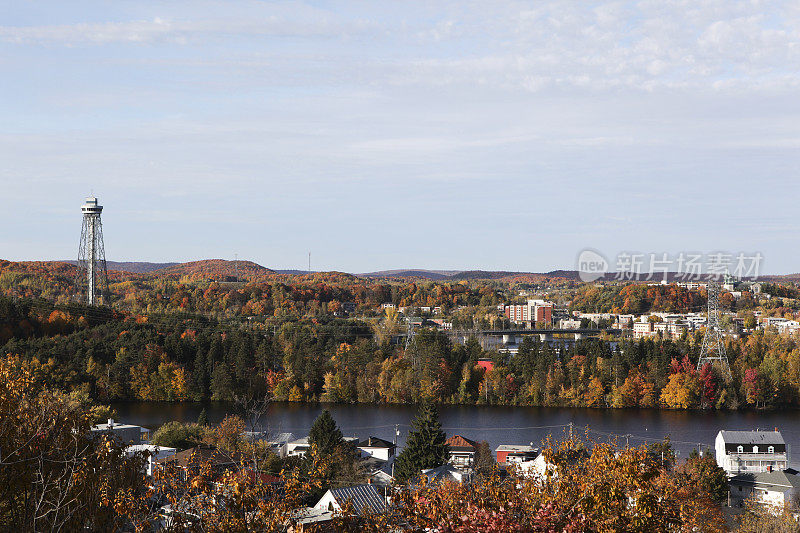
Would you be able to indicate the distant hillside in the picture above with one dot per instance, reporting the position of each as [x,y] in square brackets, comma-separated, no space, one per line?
[435,275]
[40,267]
[135,267]
[486,274]
[219,269]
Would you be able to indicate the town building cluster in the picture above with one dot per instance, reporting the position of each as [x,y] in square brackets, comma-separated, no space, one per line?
[756,462]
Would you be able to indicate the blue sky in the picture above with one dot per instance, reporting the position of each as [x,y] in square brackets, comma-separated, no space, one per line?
[499,135]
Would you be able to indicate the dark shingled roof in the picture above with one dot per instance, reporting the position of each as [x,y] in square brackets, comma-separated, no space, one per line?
[361,496]
[752,437]
[376,442]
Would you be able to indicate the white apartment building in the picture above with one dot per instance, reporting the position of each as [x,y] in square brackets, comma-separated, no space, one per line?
[748,452]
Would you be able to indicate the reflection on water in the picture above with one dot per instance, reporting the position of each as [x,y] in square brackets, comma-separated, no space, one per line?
[497,425]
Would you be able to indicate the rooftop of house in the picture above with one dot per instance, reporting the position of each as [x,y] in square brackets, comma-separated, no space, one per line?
[199,455]
[282,437]
[311,515]
[752,437]
[111,424]
[778,481]
[446,472]
[372,463]
[151,448]
[362,497]
[376,442]
[457,443]
[516,448]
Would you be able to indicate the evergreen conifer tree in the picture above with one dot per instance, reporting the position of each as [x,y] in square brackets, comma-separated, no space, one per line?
[202,418]
[325,434]
[425,447]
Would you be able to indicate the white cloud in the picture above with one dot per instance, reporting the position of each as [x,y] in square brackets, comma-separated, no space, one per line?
[178,31]
[642,45]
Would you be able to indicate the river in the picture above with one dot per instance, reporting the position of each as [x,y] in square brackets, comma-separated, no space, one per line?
[495,424]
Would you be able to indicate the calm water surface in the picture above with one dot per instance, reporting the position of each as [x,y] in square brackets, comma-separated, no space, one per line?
[497,425]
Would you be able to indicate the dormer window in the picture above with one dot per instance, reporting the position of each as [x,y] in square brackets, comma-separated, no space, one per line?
[755,449]
[771,449]
[740,449]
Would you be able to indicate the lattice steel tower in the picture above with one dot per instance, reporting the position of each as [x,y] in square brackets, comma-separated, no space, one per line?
[713,349]
[92,273]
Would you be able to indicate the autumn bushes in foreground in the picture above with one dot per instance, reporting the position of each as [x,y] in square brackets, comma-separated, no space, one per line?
[609,489]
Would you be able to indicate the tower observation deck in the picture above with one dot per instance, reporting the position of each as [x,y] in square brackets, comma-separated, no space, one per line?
[92,272]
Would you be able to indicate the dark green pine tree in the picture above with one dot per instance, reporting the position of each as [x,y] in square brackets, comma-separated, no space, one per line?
[244,362]
[216,354]
[325,434]
[200,375]
[202,418]
[425,447]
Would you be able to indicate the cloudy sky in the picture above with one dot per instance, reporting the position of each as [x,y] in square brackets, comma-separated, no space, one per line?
[495,135]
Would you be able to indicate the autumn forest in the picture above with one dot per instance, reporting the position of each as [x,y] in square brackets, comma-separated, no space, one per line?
[192,334]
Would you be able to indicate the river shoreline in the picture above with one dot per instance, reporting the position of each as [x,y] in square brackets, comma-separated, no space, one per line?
[687,429]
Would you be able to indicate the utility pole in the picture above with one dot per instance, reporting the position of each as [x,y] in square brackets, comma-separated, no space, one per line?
[309,263]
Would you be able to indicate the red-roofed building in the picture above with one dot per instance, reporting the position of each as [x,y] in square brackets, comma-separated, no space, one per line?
[462,451]
[486,365]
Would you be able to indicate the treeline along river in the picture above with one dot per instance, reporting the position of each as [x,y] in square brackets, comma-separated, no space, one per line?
[497,425]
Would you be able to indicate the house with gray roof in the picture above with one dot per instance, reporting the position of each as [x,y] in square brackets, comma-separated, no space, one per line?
[445,473]
[364,498]
[770,488]
[751,452]
[124,434]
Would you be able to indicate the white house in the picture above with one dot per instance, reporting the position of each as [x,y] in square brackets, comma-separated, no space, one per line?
[742,452]
[280,444]
[771,488]
[153,452]
[297,447]
[378,448]
[123,433]
[462,451]
[540,468]
[300,447]
[536,468]
[446,472]
[362,497]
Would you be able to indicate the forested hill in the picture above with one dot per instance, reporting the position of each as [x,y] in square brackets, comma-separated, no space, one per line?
[118,356]
[219,269]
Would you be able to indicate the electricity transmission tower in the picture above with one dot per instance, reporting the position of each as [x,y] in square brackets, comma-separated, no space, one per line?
[713,349]
[411,342]
[92,272]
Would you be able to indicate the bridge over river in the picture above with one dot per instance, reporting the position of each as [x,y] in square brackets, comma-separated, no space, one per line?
[509,339]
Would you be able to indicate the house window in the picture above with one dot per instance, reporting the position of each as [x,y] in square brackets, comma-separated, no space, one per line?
[740,488]
[740,449]
[755,449]
[771,449]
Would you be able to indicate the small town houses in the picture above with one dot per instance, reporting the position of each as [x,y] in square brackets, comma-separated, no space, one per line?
[756,462]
